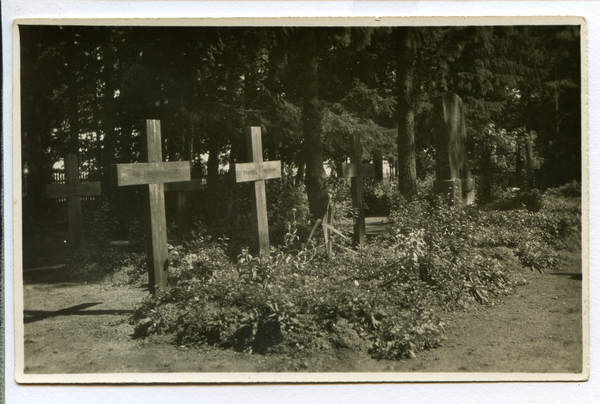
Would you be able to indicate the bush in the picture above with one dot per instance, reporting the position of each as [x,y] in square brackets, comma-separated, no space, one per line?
[570,190]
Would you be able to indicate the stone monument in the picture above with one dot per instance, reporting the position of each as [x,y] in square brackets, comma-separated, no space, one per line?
[453,173]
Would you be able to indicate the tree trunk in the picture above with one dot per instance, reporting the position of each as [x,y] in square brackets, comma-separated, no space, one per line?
[486,183]
[378,163]
[529,157]
[188,153]
[277,62]
[212,165]
[392,167]
[127,141]
[74,118]
[300,173]
[519,165]
[317,187]
[109,128]
[407,168]
[35,129]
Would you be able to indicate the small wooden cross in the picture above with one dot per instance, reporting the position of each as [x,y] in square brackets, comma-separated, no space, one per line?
[258,171]
[154,173]
[73,190]
[357,171]
[182,189]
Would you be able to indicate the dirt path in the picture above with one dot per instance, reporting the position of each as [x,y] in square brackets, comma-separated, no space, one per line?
[83,328]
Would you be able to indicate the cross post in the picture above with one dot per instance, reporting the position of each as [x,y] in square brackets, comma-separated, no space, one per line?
[357,171]
[73,190]
[257,171]
[154,173]
[327,223]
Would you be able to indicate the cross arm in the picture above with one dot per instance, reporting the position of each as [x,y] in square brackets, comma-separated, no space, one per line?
[56,191]
[152,173]
[245,172]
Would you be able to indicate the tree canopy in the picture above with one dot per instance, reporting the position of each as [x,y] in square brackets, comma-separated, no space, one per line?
[84,89]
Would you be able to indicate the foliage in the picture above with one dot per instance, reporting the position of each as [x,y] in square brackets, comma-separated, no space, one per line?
[92,264]
[380,197]
[287,204]
[510,200]
[570,190]
[85,89]
[385,299]
[342,198]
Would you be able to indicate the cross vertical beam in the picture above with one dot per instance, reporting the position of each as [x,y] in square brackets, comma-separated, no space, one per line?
[327,222]
[357,172]
[257,171]
[155,173]
[73,190]
[157,222]
[74,209]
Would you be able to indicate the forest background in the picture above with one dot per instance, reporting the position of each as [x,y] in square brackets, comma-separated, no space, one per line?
[85,90]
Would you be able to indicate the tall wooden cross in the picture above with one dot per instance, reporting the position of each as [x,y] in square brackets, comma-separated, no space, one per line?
[182,189]
[154,173]
[258,171]
[73,190]
[357,171]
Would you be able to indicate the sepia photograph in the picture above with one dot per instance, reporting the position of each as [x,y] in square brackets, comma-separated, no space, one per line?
[319,200]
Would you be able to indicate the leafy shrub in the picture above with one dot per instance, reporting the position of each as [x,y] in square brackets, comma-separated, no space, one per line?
[570,190]
[92,264]
[402,336]
[99,220]
[383,299]
[511,200]
[536,255]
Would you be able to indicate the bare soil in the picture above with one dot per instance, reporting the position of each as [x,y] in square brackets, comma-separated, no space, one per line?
[73,327]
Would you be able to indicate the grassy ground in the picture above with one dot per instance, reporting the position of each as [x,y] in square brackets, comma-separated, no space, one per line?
[83,328]
[478,289]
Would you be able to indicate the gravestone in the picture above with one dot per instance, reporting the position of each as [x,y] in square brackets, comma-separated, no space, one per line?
[453,173]
[357,171]
[257,171]
[73,190]
[154,174]
[182,189]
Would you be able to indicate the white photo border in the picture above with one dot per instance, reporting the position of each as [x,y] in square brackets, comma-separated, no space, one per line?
[12,261]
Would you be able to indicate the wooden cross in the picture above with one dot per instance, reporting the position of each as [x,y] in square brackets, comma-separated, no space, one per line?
[154,173]
[258,171]
[73,190]
[327,225]
[182,189]
[357,171]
